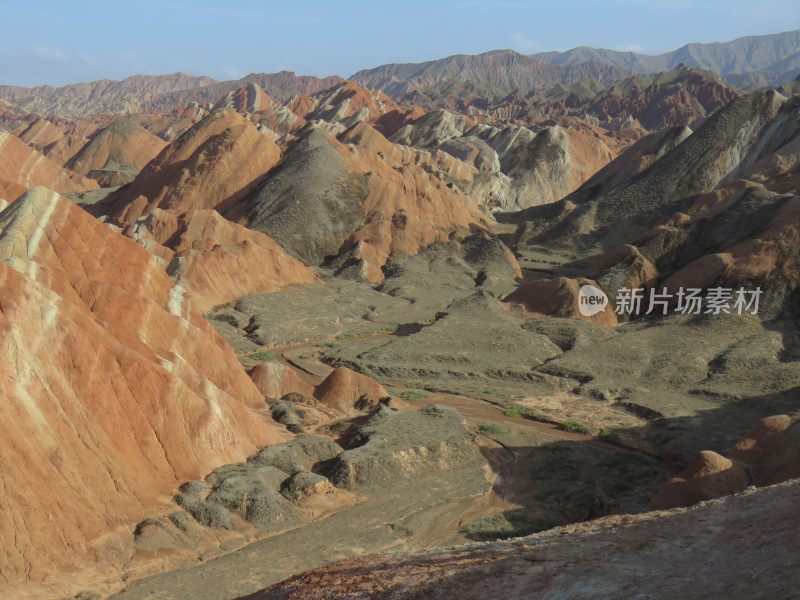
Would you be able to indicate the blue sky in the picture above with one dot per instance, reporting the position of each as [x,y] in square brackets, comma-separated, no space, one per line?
[60,42]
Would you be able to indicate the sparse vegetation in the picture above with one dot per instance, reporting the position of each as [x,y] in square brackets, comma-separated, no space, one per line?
[400,530]
[507,525]
[533,414]
[490,429]
[609,436]
[263,356]
[574,426]
[512,411]
[412,395]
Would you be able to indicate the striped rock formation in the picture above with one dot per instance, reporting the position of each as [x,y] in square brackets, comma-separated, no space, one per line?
[115,391]
[22,168]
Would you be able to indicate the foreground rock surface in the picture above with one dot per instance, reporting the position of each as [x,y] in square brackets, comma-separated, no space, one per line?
[739,547]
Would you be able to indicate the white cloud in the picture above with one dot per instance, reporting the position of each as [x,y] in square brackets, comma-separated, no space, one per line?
[521,42]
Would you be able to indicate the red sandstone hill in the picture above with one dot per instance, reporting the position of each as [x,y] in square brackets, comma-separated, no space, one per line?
[206,166]
[249,98]
[342,392]
[39,132]
[115,391]
[22,168]
[350,103]
[214,260]
[349,99]
[358,197]
[124,143]
[768,454]
[343,389]
[10,111]
[396,199]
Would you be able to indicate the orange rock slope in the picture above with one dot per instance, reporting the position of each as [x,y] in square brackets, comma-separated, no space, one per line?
[222,163]
[275,380]
[114,391]
[406,207]
[348,99]
[358,198]
[249,98]
[344,388]
[123,143]
[206,166]
[708,475]
[768,454]
[22,167]
[343,391]
[214,260]
[559,297]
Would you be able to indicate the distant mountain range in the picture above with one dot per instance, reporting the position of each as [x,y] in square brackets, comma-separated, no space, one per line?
[681,96]
[775,58]
[750,62]
[500,68]
[147,93]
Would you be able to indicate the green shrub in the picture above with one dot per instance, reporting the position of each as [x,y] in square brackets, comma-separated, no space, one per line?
[573,426]
[263,356]
[512,411]
[506,525]
[400,530]
[609,436]
[414,395]
[490,428]
[534,414]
